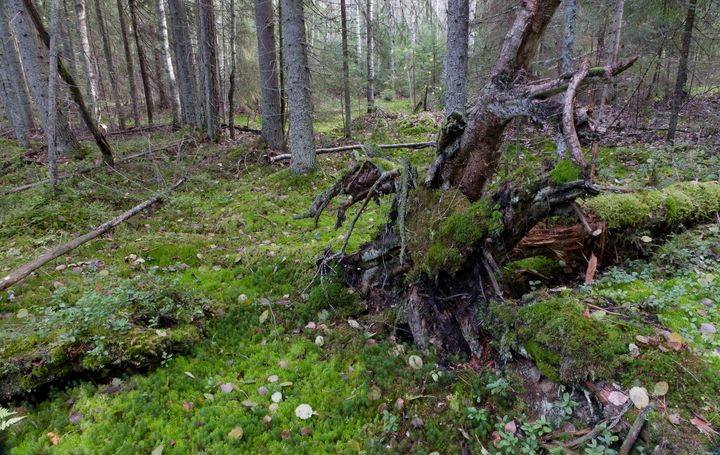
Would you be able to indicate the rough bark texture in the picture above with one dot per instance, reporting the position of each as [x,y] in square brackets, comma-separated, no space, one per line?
[233,57]
[52,94]
[302,142]
[370,58]
[91,77]
[681,80]
[142,61]
[207,44]
[167,60]
[456,56]
[35,62]
[566,59]
[271,110]
[184,56]
[107,51]
[12,67]
[346,71]
[615,51]
[129,63]
[16,105]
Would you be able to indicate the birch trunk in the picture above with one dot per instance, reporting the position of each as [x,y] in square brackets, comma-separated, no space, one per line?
[35,62]
[682,73]
[270,105]
[184,56]
[142,61]
[107,51]
[369,48]
[566,59]
[346,70]
[91,79]
[358,33]
[456,56]
[167,61]
[129,63]
[207,44]
[302,142]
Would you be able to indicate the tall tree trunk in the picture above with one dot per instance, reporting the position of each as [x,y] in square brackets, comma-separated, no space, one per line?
[107,51]
[142,61]
[615,52]
[16,96]
[52,94]
[35,62]
[185,58]
[358,33]
[346,70]
[233,57]
[302,142]
[369,49]
[87,60]
[391,51]
[471,21]
[566,59]
[281,71]
[129,63]
[270,102]
[456,56]
[413,48]
[167,61]
[68,50]
[682,72]
[207,44]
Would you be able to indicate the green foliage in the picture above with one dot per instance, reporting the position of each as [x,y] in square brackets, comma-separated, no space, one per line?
[7,420]
[564,171]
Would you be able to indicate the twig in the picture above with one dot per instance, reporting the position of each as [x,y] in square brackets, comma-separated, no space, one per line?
[596,431]
[634,431]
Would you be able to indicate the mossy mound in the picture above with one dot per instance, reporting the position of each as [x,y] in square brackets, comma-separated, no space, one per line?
[676,204]
[564,171]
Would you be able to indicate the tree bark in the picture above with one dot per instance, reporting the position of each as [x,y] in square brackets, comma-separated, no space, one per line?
[52,94]
[302,142]
[358,34]
[167,61]
[129,63]
[682,73]
[270,103]
[369,49]
[185,58]
[107,51]
[566,59]
[17,103]
[233,57]
[87,59]
[35,64]
[615,52]
[456,56]
[207,44]
[347,120]
[142,61]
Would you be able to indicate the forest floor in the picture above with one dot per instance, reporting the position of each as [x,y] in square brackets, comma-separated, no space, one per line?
[200,326]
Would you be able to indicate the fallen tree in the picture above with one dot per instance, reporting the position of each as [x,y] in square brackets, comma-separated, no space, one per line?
[347,148]
[24,271]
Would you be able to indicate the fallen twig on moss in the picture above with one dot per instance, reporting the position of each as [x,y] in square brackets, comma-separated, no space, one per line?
[22,272]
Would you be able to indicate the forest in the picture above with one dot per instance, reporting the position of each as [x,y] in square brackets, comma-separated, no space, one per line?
[359,226]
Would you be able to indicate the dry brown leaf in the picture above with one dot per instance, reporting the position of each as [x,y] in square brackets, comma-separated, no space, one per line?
[674,418]
[54,439]
[703,426]
[591,269]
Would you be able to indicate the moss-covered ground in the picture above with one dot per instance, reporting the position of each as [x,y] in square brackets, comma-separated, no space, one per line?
[199,326]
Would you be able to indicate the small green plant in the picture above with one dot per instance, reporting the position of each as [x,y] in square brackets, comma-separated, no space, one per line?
[390,422]
[479,420]
[6,419]
[498,387]
[566,405]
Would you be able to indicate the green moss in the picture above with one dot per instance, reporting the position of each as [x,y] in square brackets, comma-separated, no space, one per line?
[540,265]
[565,171]
[678,203]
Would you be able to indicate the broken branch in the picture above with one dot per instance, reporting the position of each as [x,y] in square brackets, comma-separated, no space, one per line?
[568,117]
[345,148]
[24,271]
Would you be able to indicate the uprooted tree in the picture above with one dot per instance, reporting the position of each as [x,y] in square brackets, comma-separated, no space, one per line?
[440,254]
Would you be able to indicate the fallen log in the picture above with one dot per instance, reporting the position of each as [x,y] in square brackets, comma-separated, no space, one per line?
[345,148]
[22,272]
[87,169]
[634,431]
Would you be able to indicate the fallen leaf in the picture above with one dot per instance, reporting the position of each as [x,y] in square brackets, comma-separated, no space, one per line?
[161,333]
[22,313]
[54,439]
[190,375]
[674,418]
[642,339]
[415,362]
[304,411]
[249,403]
[374,393]
[158,450]
[646,239]
[263,316]
[228,387]
[661,389]
[353,323]
[262,391]
[273,378]
[617,398]
[319,340]
[675,341]
[634,350]
[75,417]
[703,425]
[236,433]
[707,328]
[209,396]
[511,427]
[276,397]
[639,397]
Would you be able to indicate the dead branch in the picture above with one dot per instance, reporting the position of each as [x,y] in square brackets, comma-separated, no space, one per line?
[568,117]
[634,431]
[599,428]
[345,148]
[25,270]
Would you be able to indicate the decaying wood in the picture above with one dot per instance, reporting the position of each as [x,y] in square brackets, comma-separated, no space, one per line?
[346,148]
[634,431]
[568,117]
[24,271]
